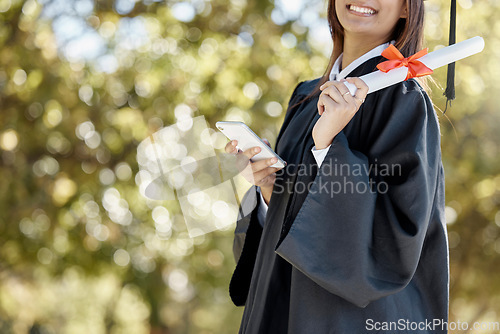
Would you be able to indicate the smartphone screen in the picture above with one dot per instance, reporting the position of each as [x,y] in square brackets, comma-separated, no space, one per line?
[247,139]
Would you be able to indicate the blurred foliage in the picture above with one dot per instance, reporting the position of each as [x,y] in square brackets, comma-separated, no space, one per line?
[82,83]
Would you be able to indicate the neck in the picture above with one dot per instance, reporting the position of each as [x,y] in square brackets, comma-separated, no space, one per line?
[355,48]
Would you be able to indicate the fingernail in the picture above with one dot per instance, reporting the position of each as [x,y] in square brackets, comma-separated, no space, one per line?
[257,149]
[274,160]
[233,142]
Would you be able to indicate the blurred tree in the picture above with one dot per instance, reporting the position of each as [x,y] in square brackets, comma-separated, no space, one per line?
[470,145]
[82,83]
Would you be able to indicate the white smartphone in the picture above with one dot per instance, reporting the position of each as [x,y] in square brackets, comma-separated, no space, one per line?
[247,139]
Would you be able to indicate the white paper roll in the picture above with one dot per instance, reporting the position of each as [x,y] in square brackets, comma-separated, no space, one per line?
[378,80]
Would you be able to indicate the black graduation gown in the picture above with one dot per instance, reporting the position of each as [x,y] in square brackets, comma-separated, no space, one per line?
[365,253]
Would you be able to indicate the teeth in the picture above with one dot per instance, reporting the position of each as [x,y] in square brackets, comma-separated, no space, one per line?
[362,10]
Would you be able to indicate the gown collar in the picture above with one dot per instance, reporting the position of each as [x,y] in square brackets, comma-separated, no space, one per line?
[336,74]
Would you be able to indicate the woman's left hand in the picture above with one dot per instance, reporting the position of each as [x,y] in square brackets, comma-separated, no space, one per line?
[337,107]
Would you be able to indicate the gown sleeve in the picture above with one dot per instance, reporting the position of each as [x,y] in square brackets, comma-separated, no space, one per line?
[249,204]
[248,231]
[361,229]
[245,246]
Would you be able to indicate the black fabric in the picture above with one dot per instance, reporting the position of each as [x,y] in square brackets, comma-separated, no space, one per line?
[240,281]
[337,262]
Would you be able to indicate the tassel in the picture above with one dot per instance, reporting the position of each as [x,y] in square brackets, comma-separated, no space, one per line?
[450,80]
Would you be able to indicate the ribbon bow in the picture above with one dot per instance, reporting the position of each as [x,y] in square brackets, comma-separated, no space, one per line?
[415,67]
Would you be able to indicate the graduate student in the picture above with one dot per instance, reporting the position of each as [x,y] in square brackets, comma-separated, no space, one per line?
[350,236]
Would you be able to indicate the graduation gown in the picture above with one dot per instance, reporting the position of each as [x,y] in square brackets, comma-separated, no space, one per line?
[358,245]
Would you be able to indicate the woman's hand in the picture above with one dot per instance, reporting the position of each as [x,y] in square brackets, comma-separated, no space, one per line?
[337,107]
[257,173]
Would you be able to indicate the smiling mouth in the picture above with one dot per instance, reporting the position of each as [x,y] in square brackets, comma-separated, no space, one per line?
[360,10]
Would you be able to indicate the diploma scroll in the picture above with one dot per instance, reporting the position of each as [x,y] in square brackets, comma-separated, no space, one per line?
[444,56]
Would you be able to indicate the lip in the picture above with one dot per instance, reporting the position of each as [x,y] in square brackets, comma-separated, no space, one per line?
[357,13]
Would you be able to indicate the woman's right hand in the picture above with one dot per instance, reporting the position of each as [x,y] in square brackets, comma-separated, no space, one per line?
[258,173]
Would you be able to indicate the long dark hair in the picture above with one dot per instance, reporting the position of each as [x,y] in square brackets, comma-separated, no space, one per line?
[408,34]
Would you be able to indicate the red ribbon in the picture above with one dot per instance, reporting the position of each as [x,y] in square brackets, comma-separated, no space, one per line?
[415,67]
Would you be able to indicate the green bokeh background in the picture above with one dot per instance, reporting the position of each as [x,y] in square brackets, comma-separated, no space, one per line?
[71,120]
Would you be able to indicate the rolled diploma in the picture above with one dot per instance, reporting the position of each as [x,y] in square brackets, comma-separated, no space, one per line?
[378,80]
